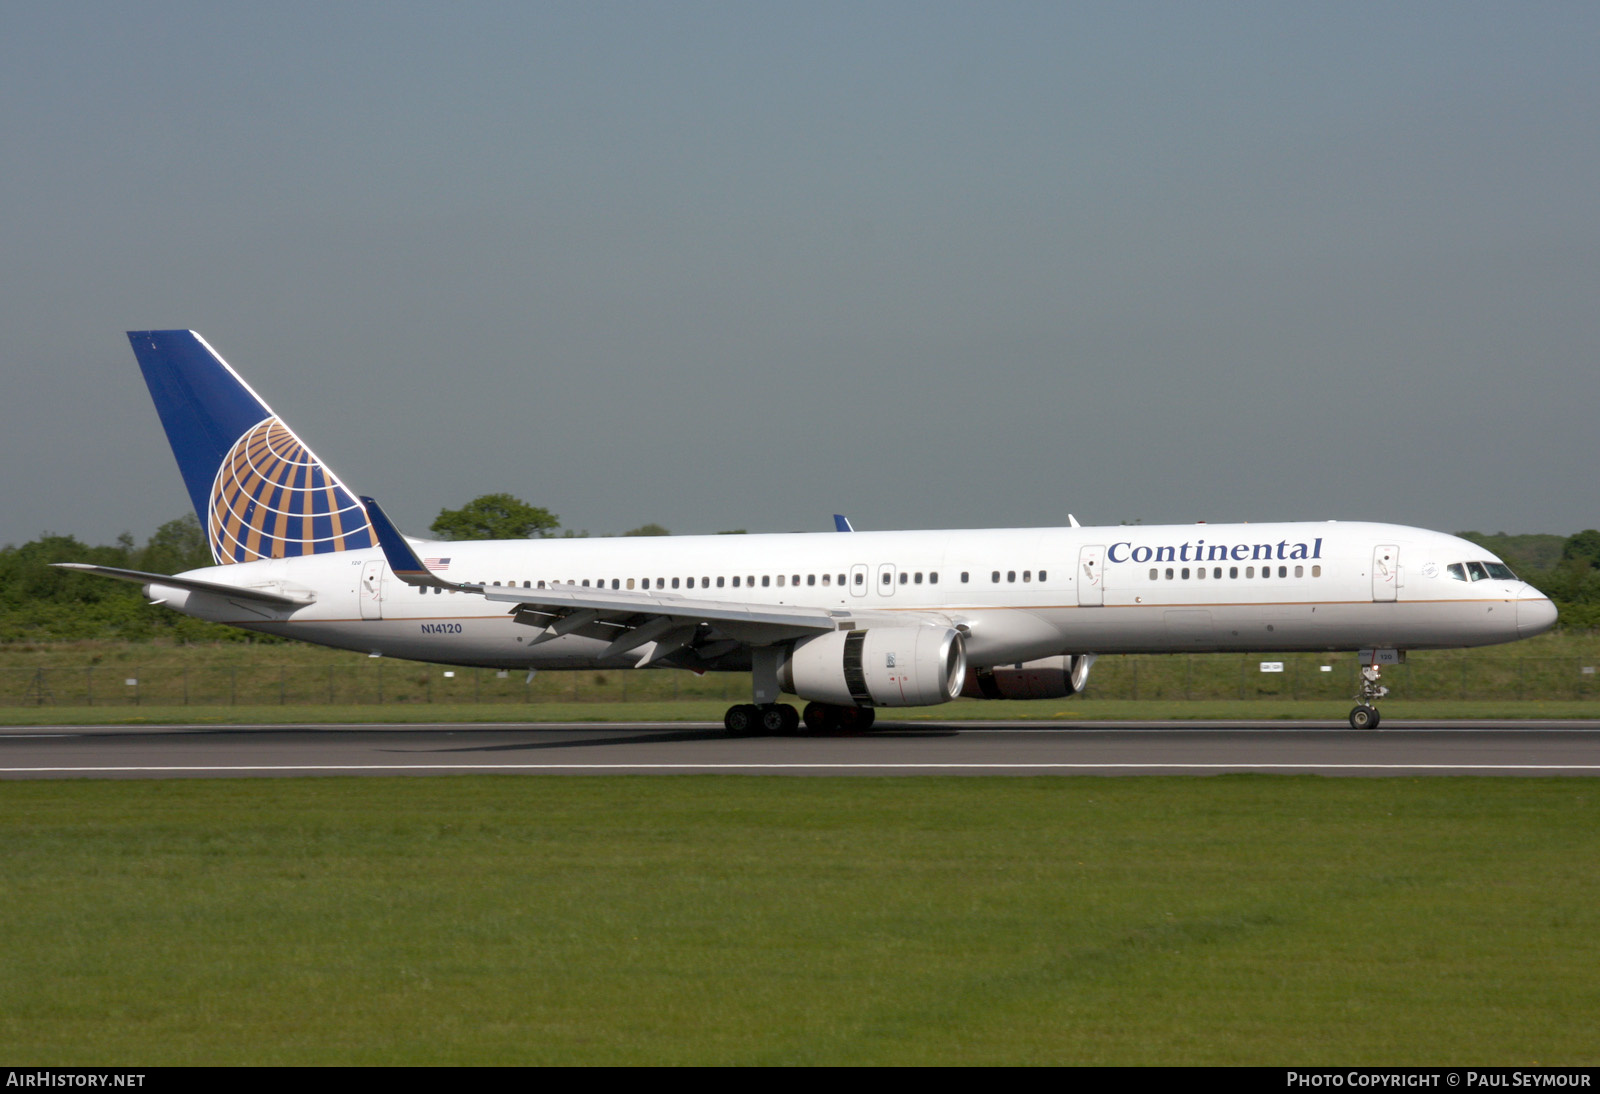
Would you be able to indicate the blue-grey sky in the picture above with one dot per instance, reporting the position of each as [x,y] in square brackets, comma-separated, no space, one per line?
[747,265]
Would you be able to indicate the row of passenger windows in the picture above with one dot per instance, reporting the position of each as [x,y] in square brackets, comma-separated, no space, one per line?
[887,577]
[1233,572]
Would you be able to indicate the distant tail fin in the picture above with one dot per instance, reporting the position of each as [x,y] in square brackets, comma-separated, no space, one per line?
[257,489]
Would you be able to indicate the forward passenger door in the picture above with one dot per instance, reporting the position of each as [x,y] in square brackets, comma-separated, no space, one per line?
[1091,577]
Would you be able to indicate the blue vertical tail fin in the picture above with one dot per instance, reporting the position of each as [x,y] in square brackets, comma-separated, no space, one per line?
[258,490]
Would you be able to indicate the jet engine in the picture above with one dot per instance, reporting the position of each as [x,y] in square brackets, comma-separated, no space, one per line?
[1047,678]
[877,667]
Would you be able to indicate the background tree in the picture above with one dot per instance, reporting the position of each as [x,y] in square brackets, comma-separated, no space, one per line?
[176,546]
[495,516]
[648,530]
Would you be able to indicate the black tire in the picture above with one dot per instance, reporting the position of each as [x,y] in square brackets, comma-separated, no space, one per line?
[773,720]
[740,721]
[821,718]
[791,719]
[856,719]
[1364,717]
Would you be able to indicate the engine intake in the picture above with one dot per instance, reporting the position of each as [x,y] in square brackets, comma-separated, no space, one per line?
[1047,678]
[878,667]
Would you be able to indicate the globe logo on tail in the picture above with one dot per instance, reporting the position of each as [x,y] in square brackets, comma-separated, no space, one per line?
[273,498]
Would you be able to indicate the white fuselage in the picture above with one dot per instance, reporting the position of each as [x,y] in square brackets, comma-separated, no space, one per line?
[1017,594]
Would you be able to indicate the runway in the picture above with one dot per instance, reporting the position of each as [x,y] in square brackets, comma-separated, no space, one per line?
[1554,748]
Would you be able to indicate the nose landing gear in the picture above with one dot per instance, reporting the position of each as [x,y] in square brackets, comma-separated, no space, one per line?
[1365,715]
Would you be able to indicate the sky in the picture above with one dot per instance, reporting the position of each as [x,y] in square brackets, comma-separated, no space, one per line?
[722,266]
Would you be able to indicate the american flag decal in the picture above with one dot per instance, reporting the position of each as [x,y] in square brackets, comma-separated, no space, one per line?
[436,563]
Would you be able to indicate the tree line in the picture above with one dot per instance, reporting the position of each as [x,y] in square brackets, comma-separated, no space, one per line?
[41,603]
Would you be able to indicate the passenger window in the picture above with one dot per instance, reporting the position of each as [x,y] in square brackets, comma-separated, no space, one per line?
[674,583]
[630,583]
[585,583]
[1186,573]
[780,581]
[1217,573]
[1249,571]
[995,577]
[1299,571]
[1283,571]
[884,580]
[720,581]
[1027,575]
[1200,572]
[1041,575]
[1011,575]
[841,579]
[965,576]
[919,578]
[904,577]
[861,579]
[1155,574]
[766,581]
[735,581]
[1169,573]
[826,580]
[811,579]
[1316,571]
[933,577]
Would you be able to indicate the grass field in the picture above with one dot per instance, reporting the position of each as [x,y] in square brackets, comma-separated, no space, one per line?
[688,710]
[240,682]
[1238,919]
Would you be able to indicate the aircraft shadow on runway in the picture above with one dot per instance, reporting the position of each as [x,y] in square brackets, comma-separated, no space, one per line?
[643,737]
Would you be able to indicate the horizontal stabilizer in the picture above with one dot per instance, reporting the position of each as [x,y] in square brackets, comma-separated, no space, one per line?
[210,588]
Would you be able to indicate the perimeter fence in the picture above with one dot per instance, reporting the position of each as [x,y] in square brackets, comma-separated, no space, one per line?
[370,682]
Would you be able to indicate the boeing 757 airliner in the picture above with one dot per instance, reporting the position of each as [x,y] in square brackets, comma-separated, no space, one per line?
[848,623]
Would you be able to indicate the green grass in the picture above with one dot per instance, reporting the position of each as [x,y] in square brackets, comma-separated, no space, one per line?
[738,920]
[70,682]
[688,710]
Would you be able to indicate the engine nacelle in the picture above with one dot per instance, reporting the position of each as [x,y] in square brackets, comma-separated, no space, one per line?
[878,667]
[1046,678]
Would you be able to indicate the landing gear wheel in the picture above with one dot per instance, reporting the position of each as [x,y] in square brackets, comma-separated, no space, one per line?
[1364,717]
[779,718]
[741,721]
[821,718]
[856,719]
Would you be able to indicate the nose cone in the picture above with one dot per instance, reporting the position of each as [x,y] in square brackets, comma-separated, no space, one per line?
[1535,615]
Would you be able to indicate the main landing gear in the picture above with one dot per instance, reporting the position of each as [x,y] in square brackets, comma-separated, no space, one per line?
[766,716]
[781,719]
[1365,715]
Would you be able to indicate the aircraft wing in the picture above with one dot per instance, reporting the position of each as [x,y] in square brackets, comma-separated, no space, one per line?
[210,588]
[628,619]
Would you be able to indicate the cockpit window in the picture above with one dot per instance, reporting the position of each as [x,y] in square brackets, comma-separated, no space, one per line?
[1476,571]
[1500,571]
[1457,571]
